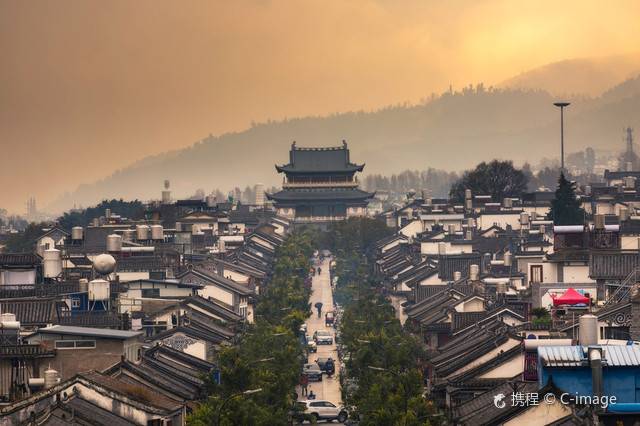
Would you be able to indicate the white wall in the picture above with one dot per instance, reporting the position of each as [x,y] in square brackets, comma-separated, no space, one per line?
[236,276]
[486,221]
[132,276]
[412,228]
[576,274]
[217,293]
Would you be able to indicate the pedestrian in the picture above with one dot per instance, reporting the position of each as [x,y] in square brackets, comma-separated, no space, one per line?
[318,306]
[311,395]
[304,383]
[319,270]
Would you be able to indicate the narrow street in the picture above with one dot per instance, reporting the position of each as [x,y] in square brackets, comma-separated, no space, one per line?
[329,388]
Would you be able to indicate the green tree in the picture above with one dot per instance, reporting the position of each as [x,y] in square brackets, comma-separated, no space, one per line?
[269,354]
[497,178]
[130,209]
[24,242]
[565,207]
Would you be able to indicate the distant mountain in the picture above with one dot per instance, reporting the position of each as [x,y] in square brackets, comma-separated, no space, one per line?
[453,131]
[586,76]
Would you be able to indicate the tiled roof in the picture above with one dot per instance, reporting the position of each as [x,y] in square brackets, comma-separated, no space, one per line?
[149,397]
[332,159]
[214,308]
[320,195]
[19,259]
[31,312]
[481,410]
[451,263]
[461,320]
[89,331]
[91,413]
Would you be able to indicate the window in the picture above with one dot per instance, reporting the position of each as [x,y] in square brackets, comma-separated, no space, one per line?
[150,292]
[75,303]
[75,344]
[536,274]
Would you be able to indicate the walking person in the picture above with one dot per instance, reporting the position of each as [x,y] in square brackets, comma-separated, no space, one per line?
[304,383]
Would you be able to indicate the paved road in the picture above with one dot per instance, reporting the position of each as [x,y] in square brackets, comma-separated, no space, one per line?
[329,388]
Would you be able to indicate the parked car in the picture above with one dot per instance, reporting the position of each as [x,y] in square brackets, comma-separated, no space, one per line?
[322,337]
[327,365]
[312,346]
[319,409]
[329,317]
[312,371]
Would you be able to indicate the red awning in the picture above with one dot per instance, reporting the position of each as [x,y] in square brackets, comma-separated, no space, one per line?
[571,297]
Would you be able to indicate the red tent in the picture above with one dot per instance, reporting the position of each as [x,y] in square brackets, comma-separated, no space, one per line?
[571,297]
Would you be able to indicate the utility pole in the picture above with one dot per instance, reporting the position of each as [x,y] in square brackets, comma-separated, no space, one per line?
[562,106]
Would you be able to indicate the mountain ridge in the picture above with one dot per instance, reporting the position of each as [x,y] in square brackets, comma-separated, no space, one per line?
[502,123]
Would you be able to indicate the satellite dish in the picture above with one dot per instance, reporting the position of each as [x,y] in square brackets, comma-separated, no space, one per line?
[104,264]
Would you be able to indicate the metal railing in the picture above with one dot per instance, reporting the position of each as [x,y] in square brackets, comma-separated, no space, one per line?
[624,289]
[320,184]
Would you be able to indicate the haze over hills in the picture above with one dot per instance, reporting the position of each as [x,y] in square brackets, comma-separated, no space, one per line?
[583,76]
[452,131]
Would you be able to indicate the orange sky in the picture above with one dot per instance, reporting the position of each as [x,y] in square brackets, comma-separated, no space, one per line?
[87,87]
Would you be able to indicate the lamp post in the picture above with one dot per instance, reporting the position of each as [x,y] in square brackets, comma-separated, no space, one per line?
[235,395]
[562,106]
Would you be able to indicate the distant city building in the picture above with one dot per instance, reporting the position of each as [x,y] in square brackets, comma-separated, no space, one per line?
[320,186]
[259,201]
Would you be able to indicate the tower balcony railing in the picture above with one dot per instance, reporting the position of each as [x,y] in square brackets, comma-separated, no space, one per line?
[320,184]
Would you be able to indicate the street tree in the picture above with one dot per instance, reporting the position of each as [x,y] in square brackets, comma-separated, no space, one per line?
[565,207]
[499,179]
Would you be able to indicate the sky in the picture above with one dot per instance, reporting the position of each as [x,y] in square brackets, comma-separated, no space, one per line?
[88,87]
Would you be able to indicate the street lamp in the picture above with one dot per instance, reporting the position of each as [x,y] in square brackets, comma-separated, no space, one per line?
[562,106]
[235,395]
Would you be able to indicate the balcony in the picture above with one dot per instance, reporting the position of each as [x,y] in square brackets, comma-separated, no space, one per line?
[320,184]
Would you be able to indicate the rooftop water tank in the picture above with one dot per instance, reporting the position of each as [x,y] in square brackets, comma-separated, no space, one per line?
[588,330]
[128,235]
[104,264]
[507,258]
[114,243]
[51,378]
[142,232]
[457,276]
[52,263]
[157,232]
[77,233]
[99,290]
[7,317]
[474,272]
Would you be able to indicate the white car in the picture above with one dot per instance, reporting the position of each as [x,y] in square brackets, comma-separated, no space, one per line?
[322,337]
[319,409]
